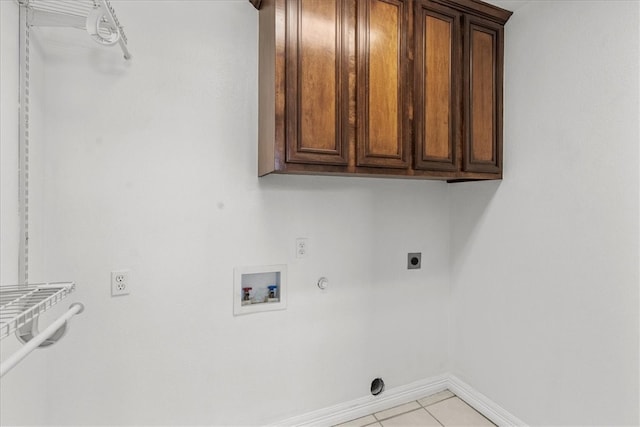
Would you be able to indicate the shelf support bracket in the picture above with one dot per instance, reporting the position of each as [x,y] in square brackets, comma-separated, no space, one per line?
[27,332]
[51,335]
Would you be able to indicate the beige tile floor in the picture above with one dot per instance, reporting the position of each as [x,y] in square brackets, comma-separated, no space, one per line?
[440,409]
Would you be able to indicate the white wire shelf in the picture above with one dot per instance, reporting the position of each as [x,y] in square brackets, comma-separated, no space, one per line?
[21,304]
[68,7]
[96,16]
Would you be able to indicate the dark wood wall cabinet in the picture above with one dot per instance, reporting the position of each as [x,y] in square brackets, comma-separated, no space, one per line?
[397,88]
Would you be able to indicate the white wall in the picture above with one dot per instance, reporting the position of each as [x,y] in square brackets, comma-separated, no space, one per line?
[152,166]
[30,379]
[9,217]
[545,263]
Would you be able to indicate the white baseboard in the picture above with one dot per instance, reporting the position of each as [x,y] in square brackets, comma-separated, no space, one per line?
[399,395]
[481,403]
[363,406]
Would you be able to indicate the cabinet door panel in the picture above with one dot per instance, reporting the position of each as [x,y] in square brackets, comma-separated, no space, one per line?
[436,99]
[317,98]
[483,77]
[382,76]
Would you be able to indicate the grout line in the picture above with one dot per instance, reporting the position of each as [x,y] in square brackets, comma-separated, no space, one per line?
[434,417]
[439,401]
[414,410]
[396,415]
[434,403]
[451,397]
[482,415]
[421,408]
[378,421]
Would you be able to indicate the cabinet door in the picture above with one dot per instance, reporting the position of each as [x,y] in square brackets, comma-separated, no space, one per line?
[483,58]
[317,81]
[437,73]
[382,83]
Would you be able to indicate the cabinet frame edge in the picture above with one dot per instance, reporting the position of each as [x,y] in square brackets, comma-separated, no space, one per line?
[479,8]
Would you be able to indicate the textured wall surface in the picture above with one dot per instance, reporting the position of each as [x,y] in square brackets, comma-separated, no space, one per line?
[545,264]
[152,166]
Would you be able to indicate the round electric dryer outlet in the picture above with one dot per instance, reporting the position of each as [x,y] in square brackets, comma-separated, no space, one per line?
[414,260]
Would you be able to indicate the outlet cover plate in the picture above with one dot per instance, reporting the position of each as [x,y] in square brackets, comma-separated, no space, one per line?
[120,283]
[302,247]
[414,260]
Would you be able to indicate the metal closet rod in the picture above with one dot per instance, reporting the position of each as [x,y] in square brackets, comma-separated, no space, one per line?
[61,13]
[15,358]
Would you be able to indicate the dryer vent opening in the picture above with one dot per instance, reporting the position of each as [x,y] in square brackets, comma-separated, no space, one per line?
[377,386]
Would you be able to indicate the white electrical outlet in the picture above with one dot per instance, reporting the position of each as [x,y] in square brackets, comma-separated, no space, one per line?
[302,247]
[120,283]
